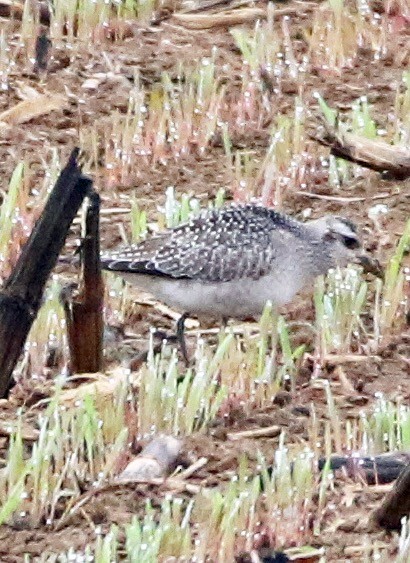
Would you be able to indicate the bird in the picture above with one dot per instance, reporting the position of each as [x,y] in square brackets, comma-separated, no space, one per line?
[228,262]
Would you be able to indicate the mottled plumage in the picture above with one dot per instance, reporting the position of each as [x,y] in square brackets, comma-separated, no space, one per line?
[217,246]
[228,262]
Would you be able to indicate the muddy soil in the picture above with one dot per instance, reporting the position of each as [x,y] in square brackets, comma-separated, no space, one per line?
[150,51]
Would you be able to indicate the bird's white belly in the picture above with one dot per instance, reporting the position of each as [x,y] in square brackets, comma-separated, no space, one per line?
[236,299]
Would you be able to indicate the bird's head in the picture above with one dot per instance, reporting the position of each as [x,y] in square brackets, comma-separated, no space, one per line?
[341,239]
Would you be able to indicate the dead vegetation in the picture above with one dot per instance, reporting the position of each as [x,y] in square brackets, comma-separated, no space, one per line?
[176,107]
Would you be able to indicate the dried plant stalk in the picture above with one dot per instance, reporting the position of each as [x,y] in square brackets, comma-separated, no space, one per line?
[228,17]
[222,19]
[205,5]
[84,313]
[33,107]
[373,154]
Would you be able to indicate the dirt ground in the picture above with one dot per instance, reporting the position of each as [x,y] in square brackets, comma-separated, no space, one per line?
[151,50]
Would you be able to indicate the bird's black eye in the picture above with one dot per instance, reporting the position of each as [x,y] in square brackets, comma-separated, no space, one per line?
[351,242]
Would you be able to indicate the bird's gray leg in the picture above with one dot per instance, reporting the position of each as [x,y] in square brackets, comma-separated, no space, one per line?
[181,337]
[222,330]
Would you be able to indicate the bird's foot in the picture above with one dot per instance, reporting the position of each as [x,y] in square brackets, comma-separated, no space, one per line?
[181,338]
[178,337]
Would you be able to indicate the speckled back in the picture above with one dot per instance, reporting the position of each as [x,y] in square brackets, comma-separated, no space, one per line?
[217,246]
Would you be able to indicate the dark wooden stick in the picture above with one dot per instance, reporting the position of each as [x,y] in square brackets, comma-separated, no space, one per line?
[43,47]
[395,505]
[84,311]
[21,296]
[380,469]
[392,160]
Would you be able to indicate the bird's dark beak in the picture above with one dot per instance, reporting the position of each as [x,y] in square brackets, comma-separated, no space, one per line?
[370,265]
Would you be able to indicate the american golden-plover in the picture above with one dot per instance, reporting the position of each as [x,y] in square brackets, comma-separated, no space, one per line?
[229,262]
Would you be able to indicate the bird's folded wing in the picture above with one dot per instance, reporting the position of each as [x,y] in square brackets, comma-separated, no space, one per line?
[214,247]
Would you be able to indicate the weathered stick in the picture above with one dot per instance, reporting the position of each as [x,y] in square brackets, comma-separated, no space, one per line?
[265,432]
[195,18]
[21,296]
[396,503]
[205,5]
[376,155]
[84,312]
[381,469]
[43,46]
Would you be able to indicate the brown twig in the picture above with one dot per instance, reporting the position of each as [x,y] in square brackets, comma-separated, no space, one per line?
[266,432]
[21,296]
[43,46]
[341,199]
[205,5]
[189,471]
[391,160]
[338,359]
[220,19]
[84,312]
